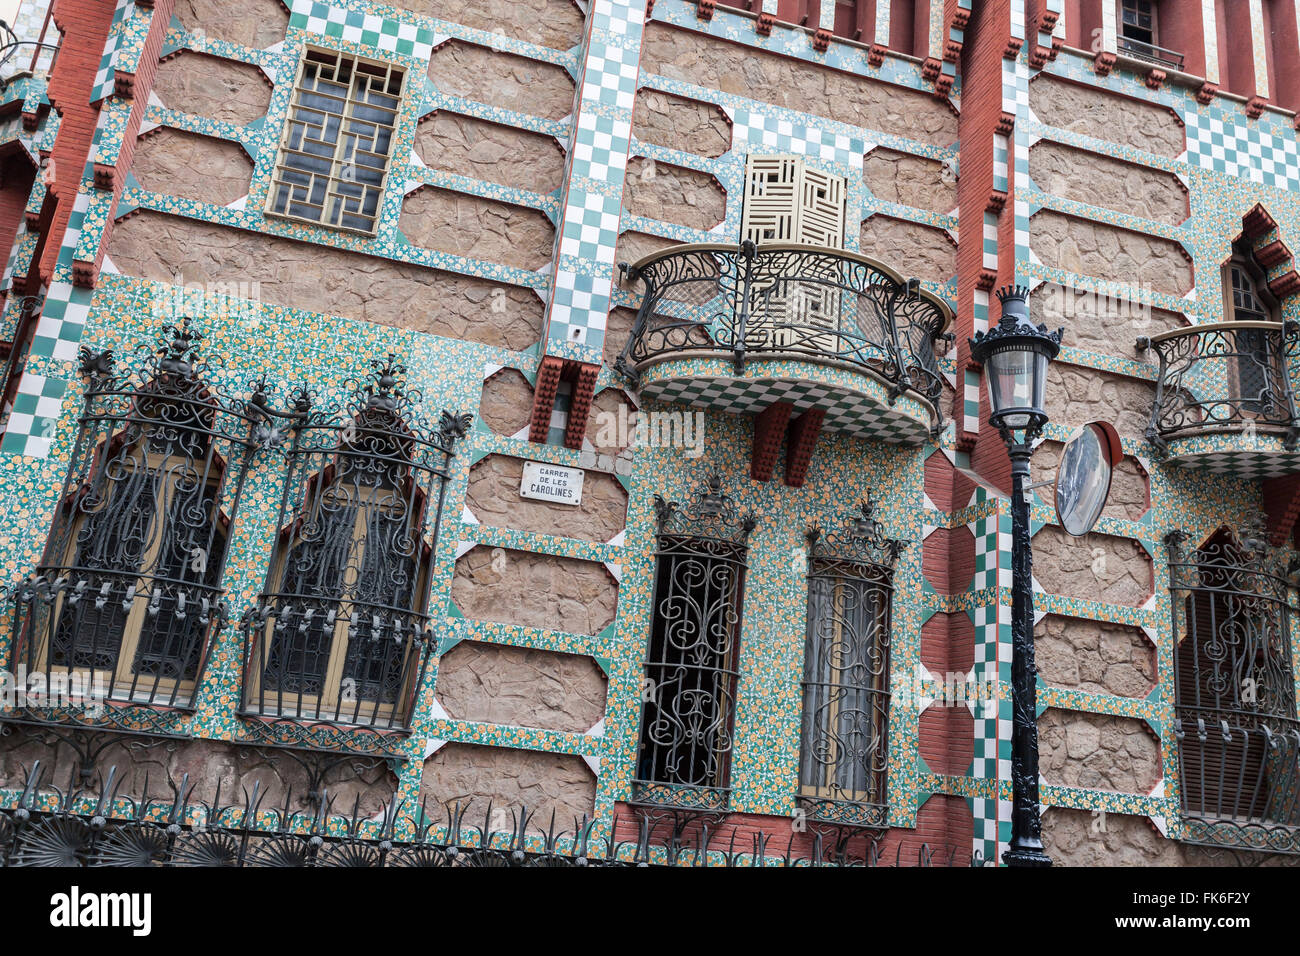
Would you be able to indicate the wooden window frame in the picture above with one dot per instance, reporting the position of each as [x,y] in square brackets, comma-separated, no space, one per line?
[280,186]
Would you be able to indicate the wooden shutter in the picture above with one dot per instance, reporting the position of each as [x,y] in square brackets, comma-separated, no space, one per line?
[785,201]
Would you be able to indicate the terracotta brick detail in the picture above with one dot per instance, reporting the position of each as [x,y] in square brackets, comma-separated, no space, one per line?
[1206,94]
[764,24]
[803,439]
[769,430]
[548,380]
[584,387]
[1257,222]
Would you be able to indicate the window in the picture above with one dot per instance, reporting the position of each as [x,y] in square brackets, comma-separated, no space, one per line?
[1234,696]
[1139,34]
[844,747]
[1137,21]
[341,632]
[333,160]
[129,589]
[692,668]
[1254,368]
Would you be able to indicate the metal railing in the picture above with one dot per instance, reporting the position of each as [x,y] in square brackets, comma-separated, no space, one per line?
[1234,699]
[95,827]
[1150,53]
[1224,377]
[783,300]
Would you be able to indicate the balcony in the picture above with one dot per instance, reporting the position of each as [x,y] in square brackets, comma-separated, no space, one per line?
[741,328]
[1150,53]
[1224,398]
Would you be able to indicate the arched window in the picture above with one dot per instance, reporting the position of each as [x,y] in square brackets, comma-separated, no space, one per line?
[844,749]
[692,667]
[1234,693]
[340,632]
[128,592]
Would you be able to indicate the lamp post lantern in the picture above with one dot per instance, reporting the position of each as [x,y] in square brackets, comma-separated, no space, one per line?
[1015,354]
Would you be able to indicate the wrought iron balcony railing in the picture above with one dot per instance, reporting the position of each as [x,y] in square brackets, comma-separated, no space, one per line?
[1150,53]
[1224,377]
[781,300]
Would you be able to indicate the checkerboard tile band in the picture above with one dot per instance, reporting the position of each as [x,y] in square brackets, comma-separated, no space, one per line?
[845,411]
[1245,150]
[103,84]
[579,308]
[385,35]
[1250,465]
[35,415]
[768,132]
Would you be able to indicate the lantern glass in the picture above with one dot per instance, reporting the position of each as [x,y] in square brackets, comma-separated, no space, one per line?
[1017,383]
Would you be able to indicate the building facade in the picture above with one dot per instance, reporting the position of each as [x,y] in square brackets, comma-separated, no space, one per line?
[557,419]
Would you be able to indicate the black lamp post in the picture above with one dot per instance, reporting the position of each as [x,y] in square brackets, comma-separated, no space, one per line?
[1015,355]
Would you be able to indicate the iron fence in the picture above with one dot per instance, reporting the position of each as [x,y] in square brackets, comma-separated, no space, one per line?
[71,827]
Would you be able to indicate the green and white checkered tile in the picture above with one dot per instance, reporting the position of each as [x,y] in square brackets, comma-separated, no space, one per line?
[35,415]
[104,76]
[1247,151]
[771,131]
[1248,465]
[846,411]
[388,36]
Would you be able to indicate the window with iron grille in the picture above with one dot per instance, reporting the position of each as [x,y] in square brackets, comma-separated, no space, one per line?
[844,750]
[691,669]
[128,592]
[340,633]
[334,152]
[1234,695]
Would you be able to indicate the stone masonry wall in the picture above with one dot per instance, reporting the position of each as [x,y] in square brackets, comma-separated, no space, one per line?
[1103,251]
[1111,183]
[1106,116]
[1098,751]
[502,79]
[508,779]
[1094,656]
[214,88]
[716,64]
[325,280]
[1095,567]
[493,497]
[678,123]
[534,590]
[468,146]
[176,163]
[521,687]
[910,180]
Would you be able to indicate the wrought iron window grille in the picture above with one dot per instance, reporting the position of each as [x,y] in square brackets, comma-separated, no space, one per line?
[123,605]
[823,304]
[844,751]
[1224,377]
[691,669]
[1234,697]
[338,641]
[94,826]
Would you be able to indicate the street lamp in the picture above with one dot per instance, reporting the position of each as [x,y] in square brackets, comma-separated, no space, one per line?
[1015,355]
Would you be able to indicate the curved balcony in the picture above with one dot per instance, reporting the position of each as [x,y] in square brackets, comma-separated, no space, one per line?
[1224,398]
[739,328]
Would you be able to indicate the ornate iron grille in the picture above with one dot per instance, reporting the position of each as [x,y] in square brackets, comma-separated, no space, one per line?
[1224,377]
[1234,699]
[793,300]
[844,752]
[128,592]
[691,666]
[340,634]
